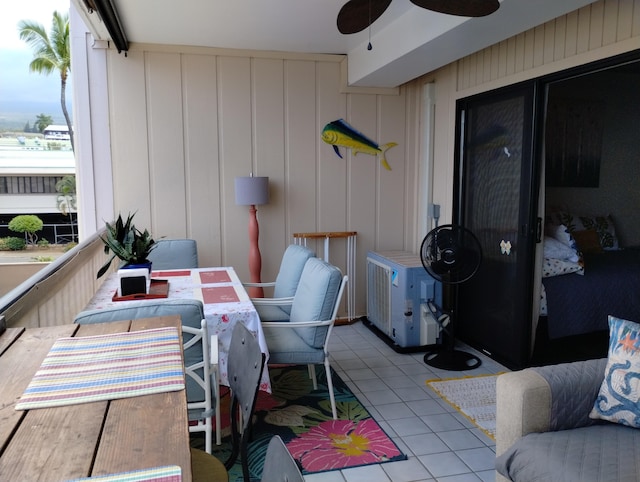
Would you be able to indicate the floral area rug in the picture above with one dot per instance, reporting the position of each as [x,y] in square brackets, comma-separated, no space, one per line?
[302,417]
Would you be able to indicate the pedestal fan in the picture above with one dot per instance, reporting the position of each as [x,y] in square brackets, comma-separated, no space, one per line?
[452,255]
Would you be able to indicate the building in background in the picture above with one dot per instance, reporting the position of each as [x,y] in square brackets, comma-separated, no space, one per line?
[56,133]
[28,177]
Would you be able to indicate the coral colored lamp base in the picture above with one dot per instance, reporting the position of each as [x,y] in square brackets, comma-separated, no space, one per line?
[255,260]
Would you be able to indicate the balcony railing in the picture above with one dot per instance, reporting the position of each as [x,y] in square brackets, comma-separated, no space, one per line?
[55,294]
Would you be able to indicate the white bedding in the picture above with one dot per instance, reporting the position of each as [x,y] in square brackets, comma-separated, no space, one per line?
[558,259]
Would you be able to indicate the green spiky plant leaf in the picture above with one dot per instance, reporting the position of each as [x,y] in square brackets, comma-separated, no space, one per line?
[124,241]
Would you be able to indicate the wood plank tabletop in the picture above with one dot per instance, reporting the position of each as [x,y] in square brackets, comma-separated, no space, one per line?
[8,337]
[18,364]
[98,438]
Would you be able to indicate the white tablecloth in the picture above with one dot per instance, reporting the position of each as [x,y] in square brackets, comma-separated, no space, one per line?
[225,303]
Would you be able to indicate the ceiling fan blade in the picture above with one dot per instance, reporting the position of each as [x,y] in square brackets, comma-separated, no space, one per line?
[462,8]
[356,15]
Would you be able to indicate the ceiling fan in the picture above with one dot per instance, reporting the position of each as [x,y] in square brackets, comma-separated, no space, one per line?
[356,15]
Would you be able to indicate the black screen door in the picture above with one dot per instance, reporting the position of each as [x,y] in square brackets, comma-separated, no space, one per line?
[495,186]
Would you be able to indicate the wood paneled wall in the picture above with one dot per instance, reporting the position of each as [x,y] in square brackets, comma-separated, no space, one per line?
[603,28]
[186,122]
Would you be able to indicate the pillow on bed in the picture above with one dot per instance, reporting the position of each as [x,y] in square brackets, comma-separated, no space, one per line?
[602,224]
[619,397]
[558,250]
[588,241]
[562,234]
[605,229]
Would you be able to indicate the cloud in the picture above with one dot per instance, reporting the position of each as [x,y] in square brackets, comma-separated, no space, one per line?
[20,84]
[17,83]
[13,12]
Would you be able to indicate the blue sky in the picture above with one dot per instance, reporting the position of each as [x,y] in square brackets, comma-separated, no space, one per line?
[19,88]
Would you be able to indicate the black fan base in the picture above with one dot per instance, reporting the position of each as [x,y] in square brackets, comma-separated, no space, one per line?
[454,360]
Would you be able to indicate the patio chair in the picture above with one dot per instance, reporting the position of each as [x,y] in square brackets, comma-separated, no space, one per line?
[303,340]
[203,393]
[203,371]
[174,254]
[279,465]
[278,307]
[245,365]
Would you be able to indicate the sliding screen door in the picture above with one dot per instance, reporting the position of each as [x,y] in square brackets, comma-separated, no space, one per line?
[495,182]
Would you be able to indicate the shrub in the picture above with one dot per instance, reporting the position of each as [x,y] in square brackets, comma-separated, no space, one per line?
[12,243]
[43,259]
[27,223]
[69,246]
[43,243]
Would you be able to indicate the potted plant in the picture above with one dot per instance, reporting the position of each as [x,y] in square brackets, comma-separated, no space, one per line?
[128,243]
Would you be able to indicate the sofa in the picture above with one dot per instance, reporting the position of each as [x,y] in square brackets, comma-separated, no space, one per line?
[544,431]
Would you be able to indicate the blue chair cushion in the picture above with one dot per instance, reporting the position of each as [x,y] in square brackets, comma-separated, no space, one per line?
[272,313]
[287,347]
[174,254]
[291,266]
[315,299]
[191,311]
[286,284]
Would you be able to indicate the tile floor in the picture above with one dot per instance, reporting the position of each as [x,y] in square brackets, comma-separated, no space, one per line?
[441,444]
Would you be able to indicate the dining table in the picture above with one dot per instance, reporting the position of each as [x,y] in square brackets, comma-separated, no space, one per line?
[225,301]
[128,434]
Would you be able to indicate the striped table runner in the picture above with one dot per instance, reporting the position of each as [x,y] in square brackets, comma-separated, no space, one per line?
[170,473]
[106,367]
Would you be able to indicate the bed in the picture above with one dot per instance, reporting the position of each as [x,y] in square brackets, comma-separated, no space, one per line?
[590,279]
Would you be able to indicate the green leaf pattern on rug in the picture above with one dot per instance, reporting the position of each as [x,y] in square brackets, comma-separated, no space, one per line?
[349,410]
[290,384]
[291,416]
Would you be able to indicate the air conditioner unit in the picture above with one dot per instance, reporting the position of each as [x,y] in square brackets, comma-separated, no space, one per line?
[398,288]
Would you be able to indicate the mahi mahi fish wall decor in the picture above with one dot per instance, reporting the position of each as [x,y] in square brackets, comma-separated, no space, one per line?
[339,133]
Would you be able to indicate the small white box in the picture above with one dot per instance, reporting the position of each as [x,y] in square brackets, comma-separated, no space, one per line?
[133,273]
[429,329]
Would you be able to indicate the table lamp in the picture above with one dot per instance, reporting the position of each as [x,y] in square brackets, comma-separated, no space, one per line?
[253,191]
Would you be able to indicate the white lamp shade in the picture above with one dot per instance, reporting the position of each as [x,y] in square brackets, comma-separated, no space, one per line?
[252,190]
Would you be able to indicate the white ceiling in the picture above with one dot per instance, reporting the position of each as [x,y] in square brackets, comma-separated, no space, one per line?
[407,40]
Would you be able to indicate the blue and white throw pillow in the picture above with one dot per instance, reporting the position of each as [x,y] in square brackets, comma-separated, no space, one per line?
[619,397]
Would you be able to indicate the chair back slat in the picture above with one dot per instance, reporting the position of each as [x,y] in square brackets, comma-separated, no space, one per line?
[244,367]
[279,465]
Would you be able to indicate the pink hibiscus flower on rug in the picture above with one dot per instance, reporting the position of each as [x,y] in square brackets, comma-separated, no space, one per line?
[338,444]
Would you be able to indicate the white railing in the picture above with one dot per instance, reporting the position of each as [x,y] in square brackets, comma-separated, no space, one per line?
[55,294]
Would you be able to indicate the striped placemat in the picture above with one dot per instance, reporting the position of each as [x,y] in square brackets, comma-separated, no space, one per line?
[170,473]
[106,367]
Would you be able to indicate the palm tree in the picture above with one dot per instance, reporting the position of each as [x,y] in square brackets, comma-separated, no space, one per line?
[43,121]
[51,52]
[67,199]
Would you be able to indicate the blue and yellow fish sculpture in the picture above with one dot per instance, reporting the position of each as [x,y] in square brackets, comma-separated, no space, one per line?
[339,133]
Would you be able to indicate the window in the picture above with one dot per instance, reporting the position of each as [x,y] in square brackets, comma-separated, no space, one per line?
[28,184]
